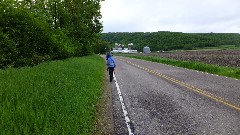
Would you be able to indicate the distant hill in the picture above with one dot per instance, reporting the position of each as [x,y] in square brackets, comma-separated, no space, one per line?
[165,40]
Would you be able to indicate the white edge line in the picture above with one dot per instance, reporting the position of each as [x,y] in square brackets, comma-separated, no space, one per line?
[127,120]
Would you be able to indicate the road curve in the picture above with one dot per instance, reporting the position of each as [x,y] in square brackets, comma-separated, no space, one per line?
[162,99]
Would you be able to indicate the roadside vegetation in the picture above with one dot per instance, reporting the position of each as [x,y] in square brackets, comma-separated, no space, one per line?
[200,66]
[32,32]
[57,97]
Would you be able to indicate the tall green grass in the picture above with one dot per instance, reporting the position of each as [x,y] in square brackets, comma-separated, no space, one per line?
[58,97]
[213,69]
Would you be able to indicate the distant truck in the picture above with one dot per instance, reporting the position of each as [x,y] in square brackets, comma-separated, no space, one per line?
[132,51]
[124,51]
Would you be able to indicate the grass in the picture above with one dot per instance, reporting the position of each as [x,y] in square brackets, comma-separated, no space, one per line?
[59,97]
[219,70]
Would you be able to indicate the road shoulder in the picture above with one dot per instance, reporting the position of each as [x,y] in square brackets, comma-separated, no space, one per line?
[104,124]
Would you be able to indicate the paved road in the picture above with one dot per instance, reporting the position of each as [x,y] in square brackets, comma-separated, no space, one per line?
[162,99]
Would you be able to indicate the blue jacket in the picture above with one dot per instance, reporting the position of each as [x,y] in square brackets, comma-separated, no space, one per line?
[111,62]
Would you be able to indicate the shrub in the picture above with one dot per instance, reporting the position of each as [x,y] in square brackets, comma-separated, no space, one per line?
[8,51]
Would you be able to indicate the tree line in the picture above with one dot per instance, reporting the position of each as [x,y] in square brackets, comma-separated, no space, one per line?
[165,40]
[33,31]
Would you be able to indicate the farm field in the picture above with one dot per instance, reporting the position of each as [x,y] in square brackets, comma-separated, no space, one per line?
[228,58]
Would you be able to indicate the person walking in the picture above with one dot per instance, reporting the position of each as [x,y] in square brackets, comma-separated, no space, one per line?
[111,64]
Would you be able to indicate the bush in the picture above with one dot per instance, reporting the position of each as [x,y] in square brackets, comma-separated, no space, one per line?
[31,33]
[188,47]
[8,51]
[25,38]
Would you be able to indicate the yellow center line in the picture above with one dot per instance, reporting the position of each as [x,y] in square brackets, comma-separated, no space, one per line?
[190,87]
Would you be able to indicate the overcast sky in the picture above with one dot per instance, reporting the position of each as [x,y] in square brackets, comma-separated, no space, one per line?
[188,16]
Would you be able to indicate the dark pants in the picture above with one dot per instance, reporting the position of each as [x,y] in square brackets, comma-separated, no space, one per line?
[110,70]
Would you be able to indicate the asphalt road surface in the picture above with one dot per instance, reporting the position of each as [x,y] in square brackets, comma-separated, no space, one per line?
[151,98]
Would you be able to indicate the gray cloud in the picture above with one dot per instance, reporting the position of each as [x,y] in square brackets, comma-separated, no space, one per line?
[220,16]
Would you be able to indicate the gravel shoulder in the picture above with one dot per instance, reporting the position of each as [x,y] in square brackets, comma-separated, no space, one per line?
[104,124]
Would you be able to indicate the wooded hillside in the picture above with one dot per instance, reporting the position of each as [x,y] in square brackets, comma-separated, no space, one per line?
[164,40]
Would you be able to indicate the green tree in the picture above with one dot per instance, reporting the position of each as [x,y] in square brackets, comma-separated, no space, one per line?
[48,29]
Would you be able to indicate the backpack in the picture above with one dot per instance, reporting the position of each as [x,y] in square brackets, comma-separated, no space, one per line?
[111,62]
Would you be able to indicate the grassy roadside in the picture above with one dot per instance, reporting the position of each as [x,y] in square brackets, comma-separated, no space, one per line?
[58,97]
[223,71]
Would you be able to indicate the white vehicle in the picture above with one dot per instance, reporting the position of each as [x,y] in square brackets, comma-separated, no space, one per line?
[125,51]
[132,51]
[115,51]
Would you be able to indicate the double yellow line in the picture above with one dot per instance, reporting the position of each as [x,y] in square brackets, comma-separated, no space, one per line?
[190,87]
